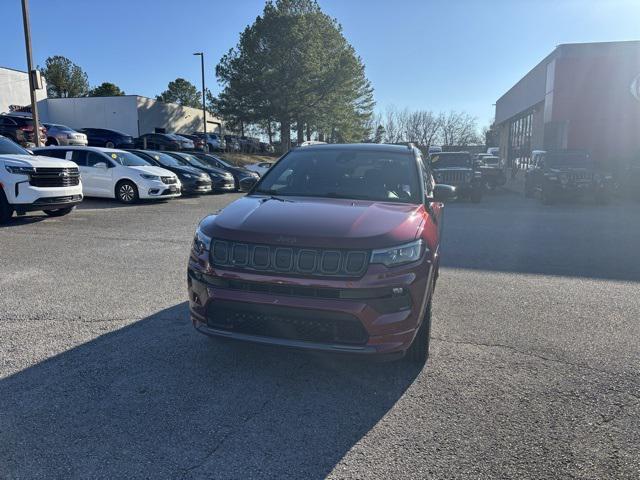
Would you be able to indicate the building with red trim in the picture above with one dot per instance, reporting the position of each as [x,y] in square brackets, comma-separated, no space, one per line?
[581,96]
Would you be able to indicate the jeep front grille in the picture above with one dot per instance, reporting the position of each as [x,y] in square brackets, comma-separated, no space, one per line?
[580,177]
[450,178]
[289,260]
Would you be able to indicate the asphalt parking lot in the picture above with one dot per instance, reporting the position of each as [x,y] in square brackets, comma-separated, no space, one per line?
[534,369]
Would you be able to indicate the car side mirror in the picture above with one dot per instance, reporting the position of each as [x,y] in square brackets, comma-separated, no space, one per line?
[101,165]
[444,193]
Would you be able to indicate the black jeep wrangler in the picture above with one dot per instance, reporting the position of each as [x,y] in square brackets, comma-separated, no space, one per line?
[457,168]
[568,174]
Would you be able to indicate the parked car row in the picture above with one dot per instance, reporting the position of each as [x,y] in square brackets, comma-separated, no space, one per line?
[54,179]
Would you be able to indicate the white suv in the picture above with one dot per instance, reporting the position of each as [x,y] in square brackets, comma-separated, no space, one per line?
[30,183]
[111,173]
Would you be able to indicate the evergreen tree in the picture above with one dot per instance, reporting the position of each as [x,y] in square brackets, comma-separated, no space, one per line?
[182,92]
[64,78]
[106,89]
[293,65]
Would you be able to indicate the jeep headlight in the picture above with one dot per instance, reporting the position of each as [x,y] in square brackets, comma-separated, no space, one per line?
[407,253]
[19,170]
[201,242]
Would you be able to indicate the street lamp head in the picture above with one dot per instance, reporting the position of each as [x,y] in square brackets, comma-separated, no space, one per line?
[198,53]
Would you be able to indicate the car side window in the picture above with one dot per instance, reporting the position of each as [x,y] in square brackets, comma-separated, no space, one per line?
[79,157]
[93,158]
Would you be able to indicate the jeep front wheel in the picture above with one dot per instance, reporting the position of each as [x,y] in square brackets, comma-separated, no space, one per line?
[418,352]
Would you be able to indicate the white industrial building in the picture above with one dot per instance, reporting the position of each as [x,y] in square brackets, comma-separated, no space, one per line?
[14,90]
[130,114]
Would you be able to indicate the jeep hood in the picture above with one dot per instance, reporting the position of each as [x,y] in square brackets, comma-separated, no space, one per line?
[316,222]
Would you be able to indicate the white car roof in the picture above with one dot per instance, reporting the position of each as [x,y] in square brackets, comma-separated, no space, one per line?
[74,147]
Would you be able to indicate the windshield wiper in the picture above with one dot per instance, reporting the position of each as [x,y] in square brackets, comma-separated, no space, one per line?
[271,195]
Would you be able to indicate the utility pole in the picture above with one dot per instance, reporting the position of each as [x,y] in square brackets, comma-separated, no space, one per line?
[34,78]
[204,105]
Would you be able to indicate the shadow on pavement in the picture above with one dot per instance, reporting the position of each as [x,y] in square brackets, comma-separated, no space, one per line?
[155,399]
[95,203]
[512,234]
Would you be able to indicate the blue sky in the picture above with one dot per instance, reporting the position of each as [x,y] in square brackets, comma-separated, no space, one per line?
[438,55]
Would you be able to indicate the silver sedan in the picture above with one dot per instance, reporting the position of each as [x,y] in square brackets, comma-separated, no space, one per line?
[63,135]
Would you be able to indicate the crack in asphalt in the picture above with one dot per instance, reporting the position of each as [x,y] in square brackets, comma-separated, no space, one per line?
[528,354]
[233,431]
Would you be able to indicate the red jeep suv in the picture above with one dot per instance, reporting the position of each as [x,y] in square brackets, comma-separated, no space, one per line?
[336,249]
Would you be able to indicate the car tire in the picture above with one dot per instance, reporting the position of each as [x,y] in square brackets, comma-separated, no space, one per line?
[476,195]
[6,210]
[127,192]
[59,212]
[110,145]
[418,352]
[51,142]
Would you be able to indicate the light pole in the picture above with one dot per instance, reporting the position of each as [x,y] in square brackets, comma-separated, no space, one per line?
[34,81]
[204,107]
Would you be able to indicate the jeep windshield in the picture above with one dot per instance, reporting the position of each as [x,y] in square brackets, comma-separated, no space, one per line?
[451,160]
[355,174]
[568,160]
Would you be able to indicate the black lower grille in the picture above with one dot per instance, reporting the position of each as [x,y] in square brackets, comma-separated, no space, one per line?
[286,323]
[56,200]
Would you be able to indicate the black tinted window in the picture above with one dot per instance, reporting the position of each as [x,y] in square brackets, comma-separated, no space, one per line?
[79,157]
[55,153]
[93,158]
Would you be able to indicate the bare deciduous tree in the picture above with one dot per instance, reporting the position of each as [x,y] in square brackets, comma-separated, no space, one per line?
[459,128]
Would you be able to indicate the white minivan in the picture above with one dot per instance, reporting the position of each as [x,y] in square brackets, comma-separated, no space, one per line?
[112,173]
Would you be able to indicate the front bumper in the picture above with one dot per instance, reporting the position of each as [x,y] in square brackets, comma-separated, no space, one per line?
[576,188]
[71,142]
[22,193]
[49,203]
[223,185]
[158,189]
[194,187]
[357,316]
